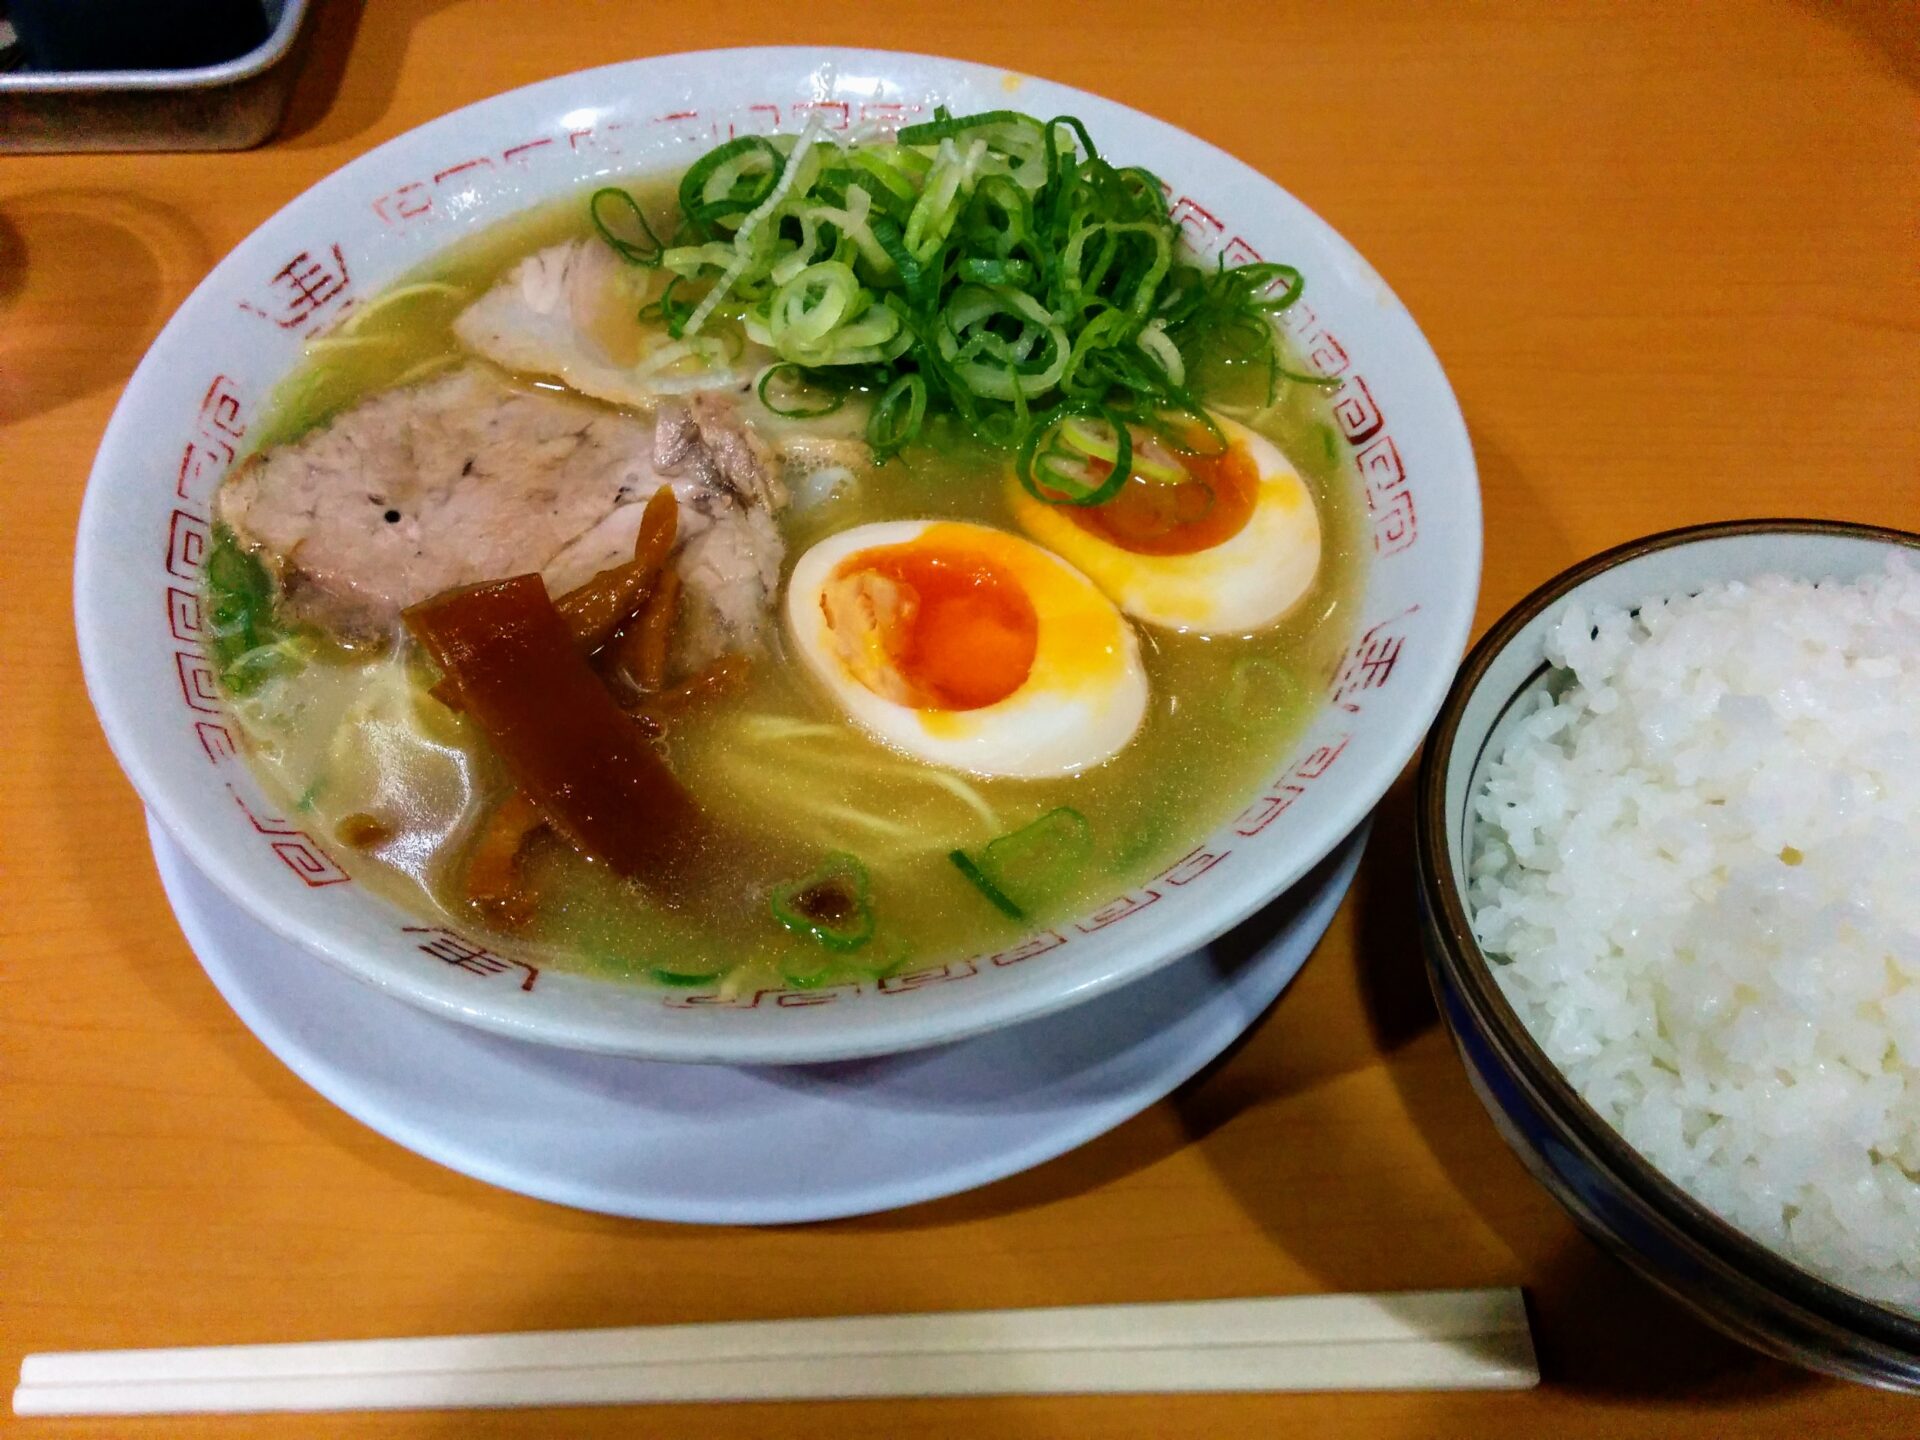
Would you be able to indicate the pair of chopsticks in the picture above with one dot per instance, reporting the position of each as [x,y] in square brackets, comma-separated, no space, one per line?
[1426,1340]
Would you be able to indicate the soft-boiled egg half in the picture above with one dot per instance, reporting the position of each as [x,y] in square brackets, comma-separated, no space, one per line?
[1227,545]
[968,647]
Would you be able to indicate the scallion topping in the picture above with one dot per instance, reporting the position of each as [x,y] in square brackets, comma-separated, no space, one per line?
[833,905]
[787,389]
[246,640]
[994,267]
[964,863]
[897,416]
[1024,870]
[616,215]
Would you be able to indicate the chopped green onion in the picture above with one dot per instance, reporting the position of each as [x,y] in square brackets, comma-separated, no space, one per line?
[245,639]
[944,126]
[964,863]
[1057,473]
[993,267]
[1022,871]
[686,979]
[1002,343]
[897,178]
[897,416]
[833,905]
[1104,445]
[1038,861]
[997,272]
[729,182]
[785,388]
[617,200]
[1266,276]
[810,972]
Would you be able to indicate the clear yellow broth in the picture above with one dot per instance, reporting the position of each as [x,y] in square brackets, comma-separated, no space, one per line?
[353,734]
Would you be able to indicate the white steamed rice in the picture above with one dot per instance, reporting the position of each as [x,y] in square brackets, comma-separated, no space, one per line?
[1699,870]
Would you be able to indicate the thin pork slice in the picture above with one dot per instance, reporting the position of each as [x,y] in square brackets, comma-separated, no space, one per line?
[570,312]
[566,311]
[469,478]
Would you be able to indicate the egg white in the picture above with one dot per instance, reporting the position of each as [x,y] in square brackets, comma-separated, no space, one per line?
[1082,701]
[1246,583]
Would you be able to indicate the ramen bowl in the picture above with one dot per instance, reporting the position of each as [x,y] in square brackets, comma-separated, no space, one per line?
[188,411]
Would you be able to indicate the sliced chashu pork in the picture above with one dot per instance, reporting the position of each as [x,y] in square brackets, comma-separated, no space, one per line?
[567,311]
[468,478]
[570,311]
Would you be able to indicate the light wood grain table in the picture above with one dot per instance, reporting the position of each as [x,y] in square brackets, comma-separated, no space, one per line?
[1667,254]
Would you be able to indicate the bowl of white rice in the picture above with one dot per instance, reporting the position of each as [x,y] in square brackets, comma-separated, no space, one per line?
[1669,845]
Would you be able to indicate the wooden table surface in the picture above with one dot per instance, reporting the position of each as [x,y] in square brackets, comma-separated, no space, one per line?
[1667,254]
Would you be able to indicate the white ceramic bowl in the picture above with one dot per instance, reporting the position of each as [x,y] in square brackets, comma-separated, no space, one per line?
[187,412]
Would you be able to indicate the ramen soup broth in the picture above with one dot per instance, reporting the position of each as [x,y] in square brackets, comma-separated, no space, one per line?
[349,738]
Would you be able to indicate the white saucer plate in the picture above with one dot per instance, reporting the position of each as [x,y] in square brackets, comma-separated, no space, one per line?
[747,1146]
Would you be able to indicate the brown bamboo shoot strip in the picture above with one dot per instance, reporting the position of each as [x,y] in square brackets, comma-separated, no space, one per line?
[555,726]
[644,648]
[495,879]
[595,610]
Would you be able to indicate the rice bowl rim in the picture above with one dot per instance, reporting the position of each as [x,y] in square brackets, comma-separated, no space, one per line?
[1745,1259]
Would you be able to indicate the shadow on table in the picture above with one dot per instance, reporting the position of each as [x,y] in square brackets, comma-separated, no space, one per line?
[1107,1159]
[86,277]
[143,947]
[1599,1329]
[333,100]
[1520,525]
[1888,32]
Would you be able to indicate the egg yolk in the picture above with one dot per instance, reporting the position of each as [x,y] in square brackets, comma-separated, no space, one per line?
[1180,517]
[932,627]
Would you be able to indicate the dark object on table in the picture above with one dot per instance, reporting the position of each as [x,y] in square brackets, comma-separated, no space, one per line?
[229,104]
[137,34]
[11,51]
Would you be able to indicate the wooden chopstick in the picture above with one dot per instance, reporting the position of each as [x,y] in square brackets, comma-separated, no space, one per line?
[1418,1340]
